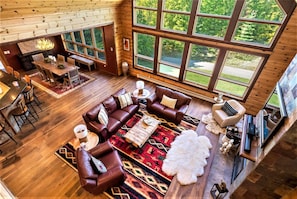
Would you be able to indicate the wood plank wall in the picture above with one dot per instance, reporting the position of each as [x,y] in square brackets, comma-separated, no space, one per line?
[21,20]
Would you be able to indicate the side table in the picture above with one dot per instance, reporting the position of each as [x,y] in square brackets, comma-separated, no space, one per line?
[142,96]
[93,140]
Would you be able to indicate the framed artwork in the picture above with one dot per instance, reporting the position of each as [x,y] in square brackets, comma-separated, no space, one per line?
[126,44]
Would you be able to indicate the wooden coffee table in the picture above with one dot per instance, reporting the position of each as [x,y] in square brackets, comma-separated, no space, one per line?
[141,131]
[93,141]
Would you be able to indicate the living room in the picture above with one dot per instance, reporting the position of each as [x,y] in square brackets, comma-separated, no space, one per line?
[59,116]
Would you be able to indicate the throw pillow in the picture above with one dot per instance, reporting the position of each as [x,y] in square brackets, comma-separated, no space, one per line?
[228,109]
[98,165]
[125,100]
[169,102]
[102,116]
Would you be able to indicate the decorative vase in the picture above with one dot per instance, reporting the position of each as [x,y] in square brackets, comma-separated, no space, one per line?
[81,133]
[125,68]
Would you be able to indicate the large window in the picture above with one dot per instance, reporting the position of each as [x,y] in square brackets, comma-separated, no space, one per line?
[144,51]
[200,42]
[87,42]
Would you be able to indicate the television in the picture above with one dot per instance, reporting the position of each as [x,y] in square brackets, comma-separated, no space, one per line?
[272,116]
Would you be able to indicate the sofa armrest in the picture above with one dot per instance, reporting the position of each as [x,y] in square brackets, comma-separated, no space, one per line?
[151,99]
[135,100]
[181,112]
[216,107]
[113,176]
[101,149]
[99,129]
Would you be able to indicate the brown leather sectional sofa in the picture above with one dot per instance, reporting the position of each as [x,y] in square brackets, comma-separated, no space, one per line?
[175,115]
[117,117]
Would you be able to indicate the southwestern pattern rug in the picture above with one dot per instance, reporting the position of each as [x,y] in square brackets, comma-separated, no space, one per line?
[59,90]
[145,178]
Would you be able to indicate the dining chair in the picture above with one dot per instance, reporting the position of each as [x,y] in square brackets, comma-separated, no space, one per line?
[28,81]
[3,131]
[51,78]
[17,75]
[9,70]
[22,112]
[60,58]
[38,57]
[30,100]
[41,72]
[72,76]
[71,61]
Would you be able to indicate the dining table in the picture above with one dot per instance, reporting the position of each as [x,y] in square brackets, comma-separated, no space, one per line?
[10,89]
[53,67]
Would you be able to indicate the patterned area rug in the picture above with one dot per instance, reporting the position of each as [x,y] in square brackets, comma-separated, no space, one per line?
[212,125]
[59,90]
[145,179]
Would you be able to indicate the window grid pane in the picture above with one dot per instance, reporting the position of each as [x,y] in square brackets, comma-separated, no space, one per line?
[175,22]
[146,17]
[204,26]
[222,8]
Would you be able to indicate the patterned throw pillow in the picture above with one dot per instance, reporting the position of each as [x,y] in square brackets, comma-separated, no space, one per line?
[98,165]
[169,102]
[102,116]
[125,100]
[228,109]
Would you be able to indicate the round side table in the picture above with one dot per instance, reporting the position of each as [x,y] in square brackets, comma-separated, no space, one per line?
[142,96]
[93,140]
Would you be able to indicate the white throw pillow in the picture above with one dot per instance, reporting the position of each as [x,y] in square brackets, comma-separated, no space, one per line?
[125,100]
[169,102]
[102,116]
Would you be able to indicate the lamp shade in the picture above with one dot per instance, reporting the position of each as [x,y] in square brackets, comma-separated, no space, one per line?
[140,84]
[81,133]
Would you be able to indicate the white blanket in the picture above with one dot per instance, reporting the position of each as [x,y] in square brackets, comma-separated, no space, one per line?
[187,157]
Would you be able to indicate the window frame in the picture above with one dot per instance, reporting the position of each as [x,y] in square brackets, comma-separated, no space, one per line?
[83,44]
[224,45]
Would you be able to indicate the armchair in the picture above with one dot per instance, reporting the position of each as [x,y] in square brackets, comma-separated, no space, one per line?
[175,114]
[92,181]
[222,118]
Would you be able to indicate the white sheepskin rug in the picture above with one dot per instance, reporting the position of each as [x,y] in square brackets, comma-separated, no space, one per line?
[212,125]
[187,157]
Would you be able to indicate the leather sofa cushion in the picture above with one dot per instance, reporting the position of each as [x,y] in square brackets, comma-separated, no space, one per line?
[93,113]
[110,105]
[113,125]
[120,115]
[132,109]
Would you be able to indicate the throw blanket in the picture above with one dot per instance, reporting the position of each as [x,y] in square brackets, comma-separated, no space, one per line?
[187,157]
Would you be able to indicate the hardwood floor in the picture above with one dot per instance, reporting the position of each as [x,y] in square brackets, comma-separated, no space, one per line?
[32,170]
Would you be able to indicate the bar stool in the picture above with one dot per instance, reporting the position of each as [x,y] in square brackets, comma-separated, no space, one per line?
[2,131]
[22,112]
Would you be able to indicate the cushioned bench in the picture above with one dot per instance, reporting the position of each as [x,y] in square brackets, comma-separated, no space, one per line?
[84,61]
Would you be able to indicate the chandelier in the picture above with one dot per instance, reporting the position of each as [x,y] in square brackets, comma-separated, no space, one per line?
[44,44]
